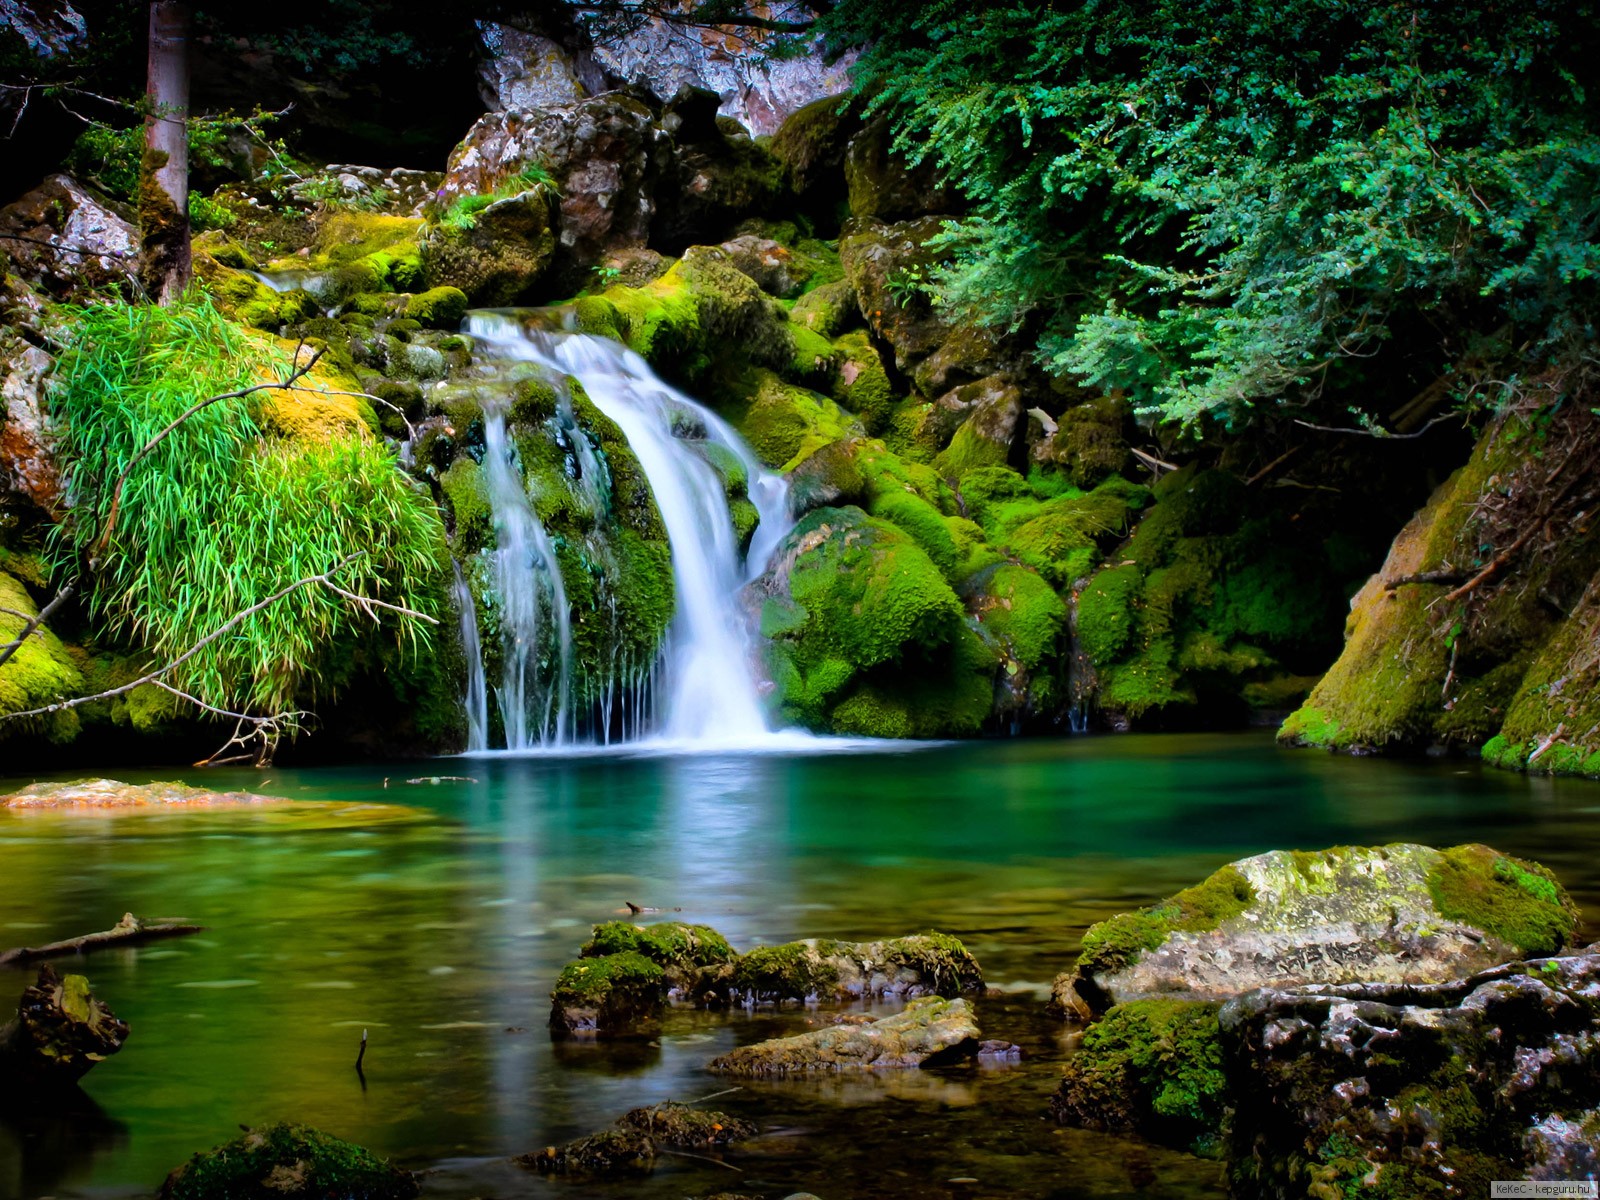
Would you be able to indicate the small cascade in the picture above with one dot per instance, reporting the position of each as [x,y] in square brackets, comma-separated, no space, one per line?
[477,698]
[535,695]
[702,687]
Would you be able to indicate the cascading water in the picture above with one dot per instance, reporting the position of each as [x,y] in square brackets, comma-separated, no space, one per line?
[705,677]
[477,698]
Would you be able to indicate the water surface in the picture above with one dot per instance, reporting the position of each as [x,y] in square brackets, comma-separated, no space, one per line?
[441,934]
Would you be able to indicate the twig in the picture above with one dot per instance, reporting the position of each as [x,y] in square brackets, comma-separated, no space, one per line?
[361,1054]
[717,1095]
[701,1157]
[87,251]
[1273,465]
[1382,434]
[32,623]
[1150,460]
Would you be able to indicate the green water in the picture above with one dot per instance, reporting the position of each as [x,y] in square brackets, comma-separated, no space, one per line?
[441,935]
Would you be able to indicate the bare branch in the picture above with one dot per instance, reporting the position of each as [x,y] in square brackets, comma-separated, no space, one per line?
[87,251]
[1378,431]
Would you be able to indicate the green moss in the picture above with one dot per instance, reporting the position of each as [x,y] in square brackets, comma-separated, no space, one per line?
[969,450]
[785,424]
[828,310]
[669,944]
[1026,614]
[467,492]
[792,971]
[861,383]
[1116,943]
[1520,902]
[948,694]
[912,514]
[620,985]
[288,1162]
[1106,612]
[1091,441]
[943,961]
[39,673]
[438,308]
[1154,1066]
[813,362]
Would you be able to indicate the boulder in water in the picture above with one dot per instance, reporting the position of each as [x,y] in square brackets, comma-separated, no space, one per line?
[619,995]
[288,1162]
[1400,914]
[60,1033]
[1393,1089]
[929,964]
[927,1031]
[643,1133]
[694,959]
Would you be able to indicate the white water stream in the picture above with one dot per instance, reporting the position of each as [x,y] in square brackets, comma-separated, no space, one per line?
[706,679]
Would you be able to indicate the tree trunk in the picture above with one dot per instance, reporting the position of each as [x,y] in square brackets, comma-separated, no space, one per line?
[61,1031]
[164,266]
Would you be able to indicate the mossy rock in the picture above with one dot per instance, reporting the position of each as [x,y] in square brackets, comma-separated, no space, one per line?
[619,995]
[1401,913]
[1153,1067]
[927,964]
[681,950]
[41,672]
[861,384]
[928,1031]
[288,1162]
[438,308]
[829,309]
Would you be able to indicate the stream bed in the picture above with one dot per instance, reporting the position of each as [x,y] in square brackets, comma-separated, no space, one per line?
[440,932]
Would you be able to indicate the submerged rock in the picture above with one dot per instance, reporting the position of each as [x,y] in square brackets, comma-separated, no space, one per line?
[1389,1089]
[928,1031]
[1395,914]
[112,793]
[694,959]
[288,1162]
[632,1149]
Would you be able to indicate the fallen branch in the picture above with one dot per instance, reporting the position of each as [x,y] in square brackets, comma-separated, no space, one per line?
[1156,464]
[1273,465]
[127,932]
[30,624]
[1377,431]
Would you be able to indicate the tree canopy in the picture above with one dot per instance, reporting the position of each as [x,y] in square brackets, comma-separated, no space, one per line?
[1219,205]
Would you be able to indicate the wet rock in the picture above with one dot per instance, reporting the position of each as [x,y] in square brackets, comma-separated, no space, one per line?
[774,268]
[28,465]
[931,964]
[620,995]
[644,1133]
[497,260]
[1383,915]
[66,240]
[1090,441]
[929,1031]
[606,155]
[60,1033]
[717,180]
[827,478]
[882,263]
[288,1162]
[1415,1089]
[998,1052]
[112,793]
[991,434]
[883,186]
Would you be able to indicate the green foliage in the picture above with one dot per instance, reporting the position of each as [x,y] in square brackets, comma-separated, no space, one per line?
[220,515]
[462,214]
[1519,902]
[1114,944]
[1206,203]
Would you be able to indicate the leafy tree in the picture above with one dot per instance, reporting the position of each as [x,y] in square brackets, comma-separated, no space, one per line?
[1221,205]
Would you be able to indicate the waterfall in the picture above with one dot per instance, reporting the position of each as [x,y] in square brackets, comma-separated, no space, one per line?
[704,685]
[477,698]
[534,708]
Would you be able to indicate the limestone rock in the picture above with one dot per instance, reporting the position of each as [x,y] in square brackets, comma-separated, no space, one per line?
[927,1031]
[523,70]
[500,258]
[774,268]
[1415,1089]
[880,260]
[288,1162]
[992,433]
[1397,914]
[75,242]
[643,1133]
[27,465]
[922,965]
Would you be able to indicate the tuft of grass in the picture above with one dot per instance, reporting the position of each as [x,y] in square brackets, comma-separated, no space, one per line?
[223,514]
[462,214]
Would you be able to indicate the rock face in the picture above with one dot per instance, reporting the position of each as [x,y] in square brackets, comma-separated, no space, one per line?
[928,1031]
[288,1162]
[65,240]
[1398,914]
[1416,1090]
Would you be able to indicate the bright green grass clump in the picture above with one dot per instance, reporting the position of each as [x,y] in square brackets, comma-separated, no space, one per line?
[463,212]
[222,515]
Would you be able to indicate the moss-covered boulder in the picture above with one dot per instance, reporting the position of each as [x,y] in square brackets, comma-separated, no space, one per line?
[1152,1067]
[810,145]
[882,184]
[288,1162]
[642,1135]
[1401,913]
[694,959]
[927,1032]
[619,995]
[929,964]
[864,635]
[499,255]
[1396,1089]
[39,673]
